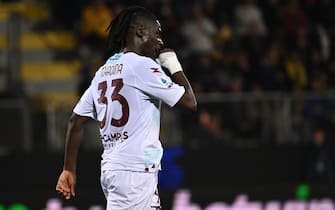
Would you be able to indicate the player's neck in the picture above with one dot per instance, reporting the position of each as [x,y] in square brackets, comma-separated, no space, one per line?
[132,49]
[127,51]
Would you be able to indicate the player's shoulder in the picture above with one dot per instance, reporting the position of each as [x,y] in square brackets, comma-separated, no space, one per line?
[139,61]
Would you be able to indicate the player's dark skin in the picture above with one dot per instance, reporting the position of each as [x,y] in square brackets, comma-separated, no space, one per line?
[144,38]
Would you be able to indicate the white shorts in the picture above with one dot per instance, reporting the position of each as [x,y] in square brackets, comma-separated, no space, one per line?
[130,190]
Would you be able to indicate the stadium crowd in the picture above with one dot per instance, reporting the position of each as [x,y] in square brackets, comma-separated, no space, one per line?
[234,46]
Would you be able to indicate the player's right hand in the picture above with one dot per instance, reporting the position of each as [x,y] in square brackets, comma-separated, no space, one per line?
[168,59]
[66,184]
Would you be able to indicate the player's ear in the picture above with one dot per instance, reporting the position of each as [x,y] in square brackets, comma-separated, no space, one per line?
[142,33]
[140,30]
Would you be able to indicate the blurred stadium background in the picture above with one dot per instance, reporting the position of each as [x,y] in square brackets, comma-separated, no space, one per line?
[264,75]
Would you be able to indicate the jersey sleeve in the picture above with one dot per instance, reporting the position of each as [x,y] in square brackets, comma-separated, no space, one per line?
[151,79]
[85,106]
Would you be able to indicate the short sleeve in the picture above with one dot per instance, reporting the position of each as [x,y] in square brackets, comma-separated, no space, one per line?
[151,79]
[85,106]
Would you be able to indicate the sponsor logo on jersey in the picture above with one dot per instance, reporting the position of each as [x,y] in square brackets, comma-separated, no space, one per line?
[111,140]
[155,70]
[114,136]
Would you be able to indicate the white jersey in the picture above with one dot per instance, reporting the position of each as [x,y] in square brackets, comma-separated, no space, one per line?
[125,97]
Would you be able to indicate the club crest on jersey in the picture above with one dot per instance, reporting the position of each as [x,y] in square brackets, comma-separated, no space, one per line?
[165,82]
[155,70]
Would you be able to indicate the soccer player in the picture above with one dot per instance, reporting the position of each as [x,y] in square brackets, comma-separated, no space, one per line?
[125,98]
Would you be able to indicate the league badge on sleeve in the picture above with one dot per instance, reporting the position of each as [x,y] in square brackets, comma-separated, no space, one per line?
[167,83]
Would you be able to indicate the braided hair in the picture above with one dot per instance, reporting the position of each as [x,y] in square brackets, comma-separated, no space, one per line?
[119,27]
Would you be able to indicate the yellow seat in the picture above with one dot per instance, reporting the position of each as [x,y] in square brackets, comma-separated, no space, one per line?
[29,41]
[12,7]
[50,70]
[51,101]
[32,41]
[3,42]
[3,16]
[33,11]
[60,40]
